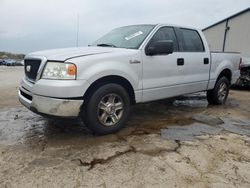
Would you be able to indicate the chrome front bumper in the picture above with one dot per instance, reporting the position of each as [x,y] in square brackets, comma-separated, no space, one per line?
[50,106]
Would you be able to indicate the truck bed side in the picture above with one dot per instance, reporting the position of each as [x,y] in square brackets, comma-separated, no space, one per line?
[221,61]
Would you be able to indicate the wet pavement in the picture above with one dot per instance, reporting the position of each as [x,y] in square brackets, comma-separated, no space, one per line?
[19,125]
[214,127]
[181,142]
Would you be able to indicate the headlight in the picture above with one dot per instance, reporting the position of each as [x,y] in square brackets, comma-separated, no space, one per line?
[59,71]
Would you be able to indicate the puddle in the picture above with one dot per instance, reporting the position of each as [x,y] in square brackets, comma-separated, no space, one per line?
[188,133]
[19,125]
[214,126]
[193,100]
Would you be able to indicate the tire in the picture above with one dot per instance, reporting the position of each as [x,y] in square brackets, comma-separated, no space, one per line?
[219,94]
[107,109]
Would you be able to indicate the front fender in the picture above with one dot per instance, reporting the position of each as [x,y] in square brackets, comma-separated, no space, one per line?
[102,69]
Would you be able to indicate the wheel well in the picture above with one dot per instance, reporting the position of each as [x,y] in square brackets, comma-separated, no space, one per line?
[112,79]
[227,73]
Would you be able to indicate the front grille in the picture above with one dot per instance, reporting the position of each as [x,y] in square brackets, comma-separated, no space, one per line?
[31,67]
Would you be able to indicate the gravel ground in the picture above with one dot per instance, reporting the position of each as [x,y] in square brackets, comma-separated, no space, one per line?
[36,152]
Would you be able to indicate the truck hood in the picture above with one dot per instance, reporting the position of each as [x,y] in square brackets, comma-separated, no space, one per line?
[64,54]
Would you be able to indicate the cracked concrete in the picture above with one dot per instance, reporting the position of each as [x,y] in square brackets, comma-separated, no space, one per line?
[96,161]
[35,152]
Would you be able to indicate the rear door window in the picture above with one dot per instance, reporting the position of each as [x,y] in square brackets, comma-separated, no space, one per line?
[191,41]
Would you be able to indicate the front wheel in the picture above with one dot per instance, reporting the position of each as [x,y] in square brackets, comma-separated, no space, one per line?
[107,109]
[219,94]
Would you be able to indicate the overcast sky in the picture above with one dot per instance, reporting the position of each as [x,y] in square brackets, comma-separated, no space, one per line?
[31,25]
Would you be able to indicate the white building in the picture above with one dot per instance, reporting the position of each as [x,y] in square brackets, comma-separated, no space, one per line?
[231,34]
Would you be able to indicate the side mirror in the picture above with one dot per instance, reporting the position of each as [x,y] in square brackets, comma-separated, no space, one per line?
[160,47]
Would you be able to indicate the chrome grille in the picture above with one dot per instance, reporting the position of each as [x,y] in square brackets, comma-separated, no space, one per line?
[31,67]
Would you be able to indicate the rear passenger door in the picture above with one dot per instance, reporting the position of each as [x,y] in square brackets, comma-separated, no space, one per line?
[196,59]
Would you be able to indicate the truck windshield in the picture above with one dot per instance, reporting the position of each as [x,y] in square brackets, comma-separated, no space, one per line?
[125,37]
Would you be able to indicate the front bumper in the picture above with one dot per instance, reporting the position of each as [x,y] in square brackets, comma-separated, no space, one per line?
[50,106]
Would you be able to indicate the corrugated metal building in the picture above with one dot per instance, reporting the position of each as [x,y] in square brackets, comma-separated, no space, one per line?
[231,34]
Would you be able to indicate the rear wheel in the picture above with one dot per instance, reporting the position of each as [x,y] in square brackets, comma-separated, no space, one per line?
[107,109]
[219,94]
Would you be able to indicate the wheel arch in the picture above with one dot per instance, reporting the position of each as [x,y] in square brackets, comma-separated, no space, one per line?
[116,79]
[226,73]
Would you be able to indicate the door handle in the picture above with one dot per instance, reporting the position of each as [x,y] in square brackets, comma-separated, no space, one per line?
[180,61]
[206,61]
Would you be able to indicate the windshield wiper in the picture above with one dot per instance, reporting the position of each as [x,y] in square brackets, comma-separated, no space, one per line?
[106,45]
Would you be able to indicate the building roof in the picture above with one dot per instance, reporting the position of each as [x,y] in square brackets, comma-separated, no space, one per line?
[234,15]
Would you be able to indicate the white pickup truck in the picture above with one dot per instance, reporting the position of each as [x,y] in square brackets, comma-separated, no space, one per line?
[129,65]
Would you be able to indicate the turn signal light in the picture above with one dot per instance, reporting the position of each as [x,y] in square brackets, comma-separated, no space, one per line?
[71,69]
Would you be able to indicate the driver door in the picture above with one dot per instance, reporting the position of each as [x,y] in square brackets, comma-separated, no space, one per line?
[163,75]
